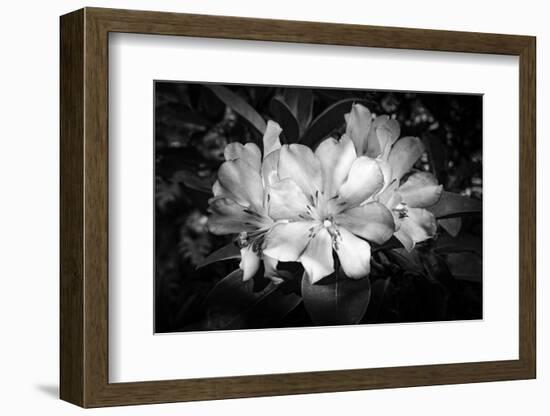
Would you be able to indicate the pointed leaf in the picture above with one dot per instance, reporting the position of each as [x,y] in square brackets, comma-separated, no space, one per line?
[452,225]
[465,266]
[228,300]
[327,121]
[239,105]
[461,243]
[234,304]
[300,102]
[437,268]
[192,181]
[230,251]
[408,260]
[452,205]
[336,299]
[437,154]
[381,290]
[388,245]
[283,115]
[272,308]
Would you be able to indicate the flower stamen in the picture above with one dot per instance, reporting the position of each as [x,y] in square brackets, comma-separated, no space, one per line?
[401,209]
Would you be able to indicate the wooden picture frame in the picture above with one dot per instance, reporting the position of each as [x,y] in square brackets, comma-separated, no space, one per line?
[84,207]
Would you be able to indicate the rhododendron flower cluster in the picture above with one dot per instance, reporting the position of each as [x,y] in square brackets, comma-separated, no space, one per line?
[324,207]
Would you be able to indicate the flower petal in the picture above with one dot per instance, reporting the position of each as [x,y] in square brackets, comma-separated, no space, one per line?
[271,138]
[297,162]
[388,132]
[249,153]
[364,179]
[221,225]
[404,238]
[374,148]
[372,221]
[250,262]
[354,254]
[270,267]
[389,197]
[385,168]
[219,191]
[317,257]
[358,124]
[287,241]
[286,200]
[269,168]
[336,159]
[243,182]
[419,225]
[420,190]
[404,154]
[229,217]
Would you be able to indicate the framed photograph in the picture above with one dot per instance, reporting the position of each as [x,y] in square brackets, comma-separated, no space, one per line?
[260,207]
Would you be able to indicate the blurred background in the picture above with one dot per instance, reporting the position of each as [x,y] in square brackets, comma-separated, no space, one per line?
[194,123]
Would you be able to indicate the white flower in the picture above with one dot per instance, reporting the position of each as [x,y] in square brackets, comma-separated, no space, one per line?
[239,202]
[413,222]
[407,200]
[324,201]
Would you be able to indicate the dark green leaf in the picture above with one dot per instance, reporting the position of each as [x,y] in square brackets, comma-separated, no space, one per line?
[388,245]
[300,103]
[381,288]
[461,243]
[452,205]
[191,180]
[336,299]
[230,251]
[233,304]
[452,225]
[228,301]
[272,308]
[327,121]
[283,115]
[465,266]
[405,259]
[436,267]
[437,154]
[210,105]
[239,105]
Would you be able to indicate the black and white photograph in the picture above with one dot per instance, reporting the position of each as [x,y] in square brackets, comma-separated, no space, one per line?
[275,208]
[283,206]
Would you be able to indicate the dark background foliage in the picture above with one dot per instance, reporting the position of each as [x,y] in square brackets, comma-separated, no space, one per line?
[439,280]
